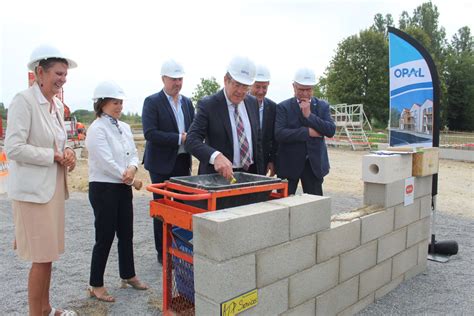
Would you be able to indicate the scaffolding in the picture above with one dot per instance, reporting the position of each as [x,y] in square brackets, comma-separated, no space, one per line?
[351,123]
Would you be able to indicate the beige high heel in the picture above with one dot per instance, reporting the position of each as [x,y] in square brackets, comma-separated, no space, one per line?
[135,283]
[104,297]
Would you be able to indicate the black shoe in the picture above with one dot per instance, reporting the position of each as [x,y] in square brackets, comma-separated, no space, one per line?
[159,256]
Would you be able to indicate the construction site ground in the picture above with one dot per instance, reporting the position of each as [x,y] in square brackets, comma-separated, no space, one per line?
[444,289]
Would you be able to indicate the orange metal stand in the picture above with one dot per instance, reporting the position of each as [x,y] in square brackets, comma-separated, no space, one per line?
[175,213]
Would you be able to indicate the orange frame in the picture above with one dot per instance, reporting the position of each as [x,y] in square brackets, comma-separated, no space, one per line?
[179,214]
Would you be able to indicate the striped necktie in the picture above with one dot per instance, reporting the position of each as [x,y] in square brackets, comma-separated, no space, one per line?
[243,142]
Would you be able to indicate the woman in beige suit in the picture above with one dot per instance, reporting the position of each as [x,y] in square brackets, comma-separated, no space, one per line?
[35,143]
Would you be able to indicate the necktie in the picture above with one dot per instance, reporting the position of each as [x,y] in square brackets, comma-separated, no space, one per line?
[243,142]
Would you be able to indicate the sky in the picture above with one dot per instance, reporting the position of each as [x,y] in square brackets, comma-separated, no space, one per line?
[127,41]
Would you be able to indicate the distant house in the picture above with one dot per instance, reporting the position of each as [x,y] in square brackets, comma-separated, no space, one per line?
[407,121]
[425,119]
[419,118]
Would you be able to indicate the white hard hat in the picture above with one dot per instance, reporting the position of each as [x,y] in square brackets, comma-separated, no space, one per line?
[305,76]
[263,74]
[45,52]
[108,89]
[172,69]
[242,70]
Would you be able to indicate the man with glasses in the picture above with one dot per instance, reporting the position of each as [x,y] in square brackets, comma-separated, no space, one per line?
[224,134]
[301,124]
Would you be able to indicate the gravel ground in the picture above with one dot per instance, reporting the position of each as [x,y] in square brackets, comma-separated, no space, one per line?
[444,289]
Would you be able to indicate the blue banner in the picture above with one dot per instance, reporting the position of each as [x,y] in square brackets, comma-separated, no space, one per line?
[412,115]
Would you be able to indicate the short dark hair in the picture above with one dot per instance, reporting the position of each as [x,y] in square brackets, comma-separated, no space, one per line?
[99,105]
[49,62]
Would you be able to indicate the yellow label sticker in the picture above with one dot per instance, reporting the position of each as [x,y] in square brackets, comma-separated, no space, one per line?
[239,303]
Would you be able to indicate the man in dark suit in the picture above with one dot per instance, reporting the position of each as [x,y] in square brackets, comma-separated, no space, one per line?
[224,134]
[267,112]
[166,118]
[301,124]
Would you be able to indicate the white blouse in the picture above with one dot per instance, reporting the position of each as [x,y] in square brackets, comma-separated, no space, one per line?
[110,152]
[60,133]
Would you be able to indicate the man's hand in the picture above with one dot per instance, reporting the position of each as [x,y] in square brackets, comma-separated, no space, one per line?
[223,166]
[313,132]
[271,169]
[183,138]
[305,106]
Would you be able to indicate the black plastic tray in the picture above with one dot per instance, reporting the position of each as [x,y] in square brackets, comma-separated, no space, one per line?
[216,182]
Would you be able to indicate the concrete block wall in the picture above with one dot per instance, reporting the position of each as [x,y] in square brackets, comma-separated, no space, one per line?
[301,262]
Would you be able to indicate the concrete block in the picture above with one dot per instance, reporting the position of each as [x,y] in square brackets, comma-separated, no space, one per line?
[283,260]
[425,206]
[386,168]
[375,278]
[357,307]
[418,231]
[240,230]
[423,186]
[341,237]
[339,298]
[404,261]
[221,281]
[306,309]
[272,300]
[376,225]
[313,281]
[204,306]
[357,260]
[391,244]
[405,215]
[423,251]
[384,290]
[309,214]
[418,269]
[386,195]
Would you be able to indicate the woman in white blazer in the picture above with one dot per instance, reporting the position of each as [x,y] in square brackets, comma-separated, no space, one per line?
[35,144]
[113,163]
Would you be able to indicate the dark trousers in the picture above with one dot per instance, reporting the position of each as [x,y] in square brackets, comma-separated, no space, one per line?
[181,168]
[113,211]
[311,184]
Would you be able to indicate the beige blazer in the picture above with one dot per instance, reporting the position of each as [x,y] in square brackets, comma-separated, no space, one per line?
[29,144]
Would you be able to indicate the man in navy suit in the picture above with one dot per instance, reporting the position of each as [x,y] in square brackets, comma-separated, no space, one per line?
[166,118]
[301,124]
[267,112]
[224,134]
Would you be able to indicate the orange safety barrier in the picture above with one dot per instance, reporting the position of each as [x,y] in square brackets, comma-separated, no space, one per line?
[3,171]
[174,212]
[3,164]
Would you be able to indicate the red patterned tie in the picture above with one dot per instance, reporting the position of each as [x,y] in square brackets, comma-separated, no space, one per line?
[243,142]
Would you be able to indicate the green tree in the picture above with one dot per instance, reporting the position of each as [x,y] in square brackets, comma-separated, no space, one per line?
[84,116]
[320,89]
[382,23]
[205,88]
[358,74]
[3,111]
[460,81]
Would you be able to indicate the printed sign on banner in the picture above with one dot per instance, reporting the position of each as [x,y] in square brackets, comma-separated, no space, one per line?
[411,96]
[409,191]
